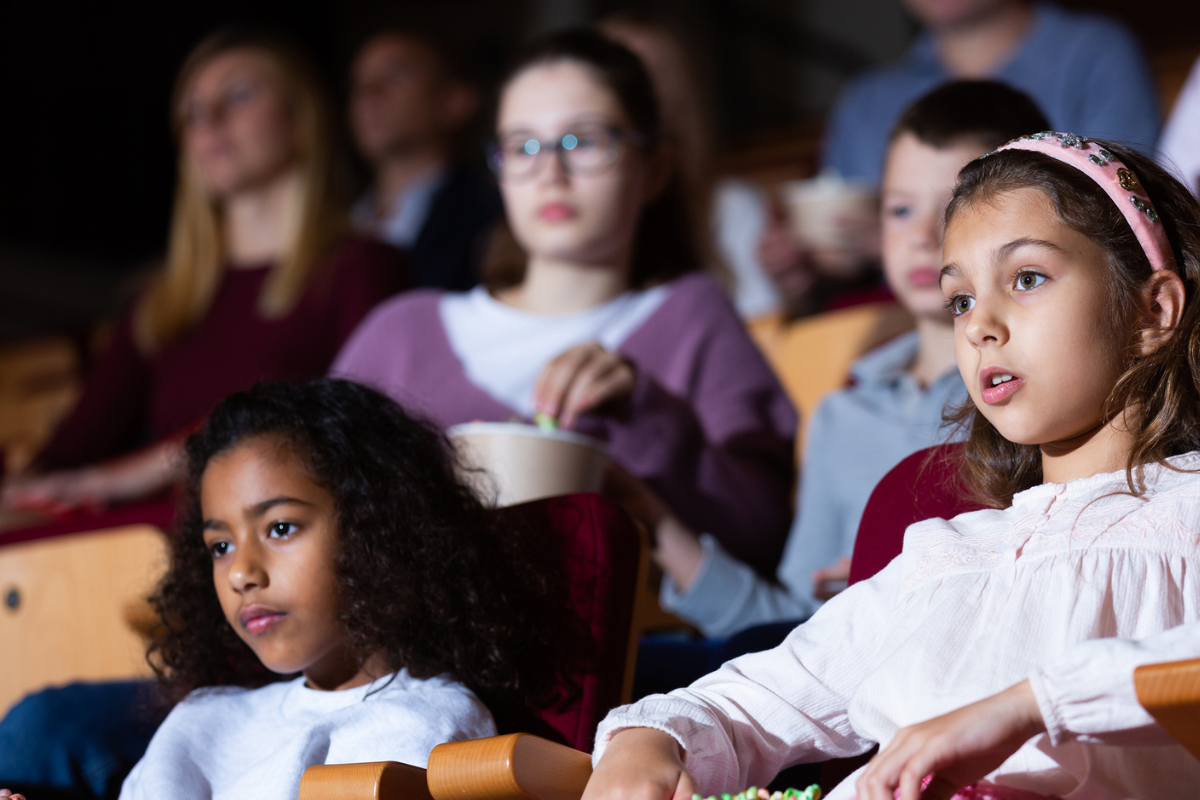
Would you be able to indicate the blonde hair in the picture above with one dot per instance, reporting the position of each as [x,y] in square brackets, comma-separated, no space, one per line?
[185,290]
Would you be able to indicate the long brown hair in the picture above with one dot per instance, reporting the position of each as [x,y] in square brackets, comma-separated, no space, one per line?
[666,244]
[1164,386]
[184,291]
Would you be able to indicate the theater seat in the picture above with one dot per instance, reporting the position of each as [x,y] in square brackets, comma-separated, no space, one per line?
[924,485]
[606,556]
[812,356]
[67,600]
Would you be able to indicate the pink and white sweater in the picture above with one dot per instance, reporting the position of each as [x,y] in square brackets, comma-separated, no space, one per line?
[972,606]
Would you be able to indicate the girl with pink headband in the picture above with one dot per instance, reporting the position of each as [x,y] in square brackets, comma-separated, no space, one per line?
[1072,269]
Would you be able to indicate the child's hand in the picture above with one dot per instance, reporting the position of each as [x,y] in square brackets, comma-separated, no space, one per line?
[641,764]
[828,581]
[7,793]
[789,267]
[581,379]
[957,748]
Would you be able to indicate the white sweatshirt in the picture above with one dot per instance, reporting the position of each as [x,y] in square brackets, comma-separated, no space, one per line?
[972,606]
[256,743]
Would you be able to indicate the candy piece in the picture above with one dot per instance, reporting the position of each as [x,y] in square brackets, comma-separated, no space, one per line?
[544,421]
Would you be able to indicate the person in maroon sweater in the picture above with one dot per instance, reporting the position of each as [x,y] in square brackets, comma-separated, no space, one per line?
[261,281]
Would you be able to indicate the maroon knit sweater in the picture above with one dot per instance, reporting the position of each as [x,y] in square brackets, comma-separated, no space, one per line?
[131,400]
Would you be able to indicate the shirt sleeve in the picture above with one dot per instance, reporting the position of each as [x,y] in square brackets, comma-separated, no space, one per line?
[1088,695]
[112,410]
[719,453]
[1179,148]
[728,596]
[766,711]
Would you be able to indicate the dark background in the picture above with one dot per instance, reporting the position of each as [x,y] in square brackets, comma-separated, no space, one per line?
[87,159]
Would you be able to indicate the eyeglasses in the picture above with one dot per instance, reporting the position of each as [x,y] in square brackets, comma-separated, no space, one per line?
[587,150]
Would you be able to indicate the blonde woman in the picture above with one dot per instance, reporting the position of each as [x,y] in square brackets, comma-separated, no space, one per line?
[260,280]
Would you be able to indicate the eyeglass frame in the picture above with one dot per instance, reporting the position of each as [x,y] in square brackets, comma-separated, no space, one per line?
[619,133]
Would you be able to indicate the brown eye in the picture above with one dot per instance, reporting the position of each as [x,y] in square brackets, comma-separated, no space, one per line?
[1029,280]
[963,303]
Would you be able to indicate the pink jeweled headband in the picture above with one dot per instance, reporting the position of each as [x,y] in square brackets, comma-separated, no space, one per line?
[1113,177]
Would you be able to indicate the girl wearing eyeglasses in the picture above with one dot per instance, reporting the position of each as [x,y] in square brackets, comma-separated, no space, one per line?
[603,322]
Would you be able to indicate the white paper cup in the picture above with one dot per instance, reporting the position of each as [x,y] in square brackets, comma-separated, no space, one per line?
[816,211]
[520,463]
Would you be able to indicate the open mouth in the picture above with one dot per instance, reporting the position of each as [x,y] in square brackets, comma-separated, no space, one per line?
[998,385]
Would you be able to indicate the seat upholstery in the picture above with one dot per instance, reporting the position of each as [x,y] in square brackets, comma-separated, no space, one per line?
[603,556]
[924,485]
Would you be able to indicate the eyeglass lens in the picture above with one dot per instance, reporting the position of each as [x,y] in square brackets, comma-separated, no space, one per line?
[583,152]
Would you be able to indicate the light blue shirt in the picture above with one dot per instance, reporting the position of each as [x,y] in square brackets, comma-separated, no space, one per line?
[1085,72]
[857,435]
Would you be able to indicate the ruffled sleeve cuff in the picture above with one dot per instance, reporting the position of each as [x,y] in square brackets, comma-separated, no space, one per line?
[707,754]
[1088,695]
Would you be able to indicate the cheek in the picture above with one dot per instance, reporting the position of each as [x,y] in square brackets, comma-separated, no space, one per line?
[612,202]
[967,359]
[265,132]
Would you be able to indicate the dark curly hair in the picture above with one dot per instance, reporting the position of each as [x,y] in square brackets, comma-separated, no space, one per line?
[1165,385]
[427,574]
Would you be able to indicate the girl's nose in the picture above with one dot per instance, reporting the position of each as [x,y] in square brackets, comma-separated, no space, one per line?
[985,325]
[554,170]
[246,572]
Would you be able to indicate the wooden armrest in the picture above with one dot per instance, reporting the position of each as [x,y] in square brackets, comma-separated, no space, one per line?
[1171,693]
[377,780]
[519,766]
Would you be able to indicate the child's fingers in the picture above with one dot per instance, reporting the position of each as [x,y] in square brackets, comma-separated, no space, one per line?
[887,769]
[686,788]
[557,377]
[604,378]
[581,394]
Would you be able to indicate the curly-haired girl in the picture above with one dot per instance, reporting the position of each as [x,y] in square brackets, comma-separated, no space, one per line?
[335,594]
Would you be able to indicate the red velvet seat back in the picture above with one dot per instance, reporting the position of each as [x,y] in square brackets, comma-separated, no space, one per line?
[923,486]
[601,552]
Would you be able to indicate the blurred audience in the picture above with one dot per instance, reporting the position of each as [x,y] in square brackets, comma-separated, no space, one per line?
[261,280]
[1179,149]
[1083,70]
[411,99]
[601,320]
[731,211]
[895,404]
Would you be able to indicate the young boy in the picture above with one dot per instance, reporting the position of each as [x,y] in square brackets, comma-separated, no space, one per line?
[894,406]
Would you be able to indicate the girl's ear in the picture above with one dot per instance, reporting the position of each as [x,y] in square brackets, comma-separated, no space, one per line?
[1162,305]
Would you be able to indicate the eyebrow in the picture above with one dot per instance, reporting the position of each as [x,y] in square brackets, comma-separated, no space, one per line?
[948,271]
[257,510]
[1005,251]
[1008,249]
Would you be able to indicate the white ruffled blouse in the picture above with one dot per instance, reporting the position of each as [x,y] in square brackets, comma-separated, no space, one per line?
[972,606]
